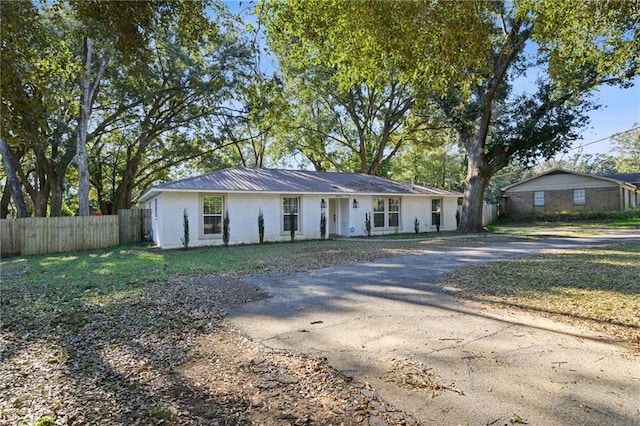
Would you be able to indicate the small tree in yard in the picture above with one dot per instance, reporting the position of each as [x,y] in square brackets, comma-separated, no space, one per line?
[225,229]
[323,226]
[367,224]
[416,225]
[260,226]
[185,230]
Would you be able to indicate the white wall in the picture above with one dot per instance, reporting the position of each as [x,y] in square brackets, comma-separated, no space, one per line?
[410,208]
[243,213]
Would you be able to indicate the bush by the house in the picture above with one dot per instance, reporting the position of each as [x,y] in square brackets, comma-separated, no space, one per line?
[185,230]
[260,226]
[225,229]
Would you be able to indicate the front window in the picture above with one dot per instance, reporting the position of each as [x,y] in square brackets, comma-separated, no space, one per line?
[212,208]
[436,210]
[538,198]
[394,212]
[378,212]
[579,196]
[386,212]
[290,214]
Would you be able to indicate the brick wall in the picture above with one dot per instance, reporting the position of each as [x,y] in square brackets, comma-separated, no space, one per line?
[562,200]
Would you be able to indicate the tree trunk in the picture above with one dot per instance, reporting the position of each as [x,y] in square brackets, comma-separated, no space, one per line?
[57,191]
[83,123]
[475,185]
[89,88]
[12,179]
[4,202]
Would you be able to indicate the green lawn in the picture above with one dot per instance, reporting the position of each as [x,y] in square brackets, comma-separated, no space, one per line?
[598,287]
[39,290]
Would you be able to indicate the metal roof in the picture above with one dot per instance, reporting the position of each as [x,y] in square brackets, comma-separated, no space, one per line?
[245,179]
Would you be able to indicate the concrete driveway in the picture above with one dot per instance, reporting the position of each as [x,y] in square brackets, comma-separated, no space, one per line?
[376,320]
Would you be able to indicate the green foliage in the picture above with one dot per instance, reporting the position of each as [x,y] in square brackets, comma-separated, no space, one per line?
[185,230]
[161,413]
[628,146]
[569,217]
[225,228]
[45,421]
[367,224]
[434,159]
[170,67]
[323,225]
[464,59]
[260,226]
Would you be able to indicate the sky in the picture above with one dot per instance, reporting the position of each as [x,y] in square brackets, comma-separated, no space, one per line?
[620,111]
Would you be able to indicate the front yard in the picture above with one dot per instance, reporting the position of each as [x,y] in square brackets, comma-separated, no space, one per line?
[133,335]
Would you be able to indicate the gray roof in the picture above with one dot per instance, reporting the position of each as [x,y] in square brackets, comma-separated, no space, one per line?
[627,177]
[293,181]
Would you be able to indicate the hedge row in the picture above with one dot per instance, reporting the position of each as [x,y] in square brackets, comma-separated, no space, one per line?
[584,216]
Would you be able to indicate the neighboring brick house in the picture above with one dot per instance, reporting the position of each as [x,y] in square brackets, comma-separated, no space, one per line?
[632,178]
[560,190]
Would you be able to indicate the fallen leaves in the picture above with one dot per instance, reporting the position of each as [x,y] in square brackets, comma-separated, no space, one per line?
[163,354]
[416,376]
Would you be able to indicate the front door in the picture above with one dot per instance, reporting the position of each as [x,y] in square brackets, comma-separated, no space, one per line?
[332,217]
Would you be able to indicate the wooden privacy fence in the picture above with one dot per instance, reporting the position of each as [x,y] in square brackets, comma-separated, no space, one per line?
[41,235]
[489,213]
[134,225]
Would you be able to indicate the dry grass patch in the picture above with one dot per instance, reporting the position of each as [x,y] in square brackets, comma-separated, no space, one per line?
[598,287]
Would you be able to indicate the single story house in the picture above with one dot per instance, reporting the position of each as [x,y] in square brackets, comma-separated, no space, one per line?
[633,179]
[560,190]
[242,193]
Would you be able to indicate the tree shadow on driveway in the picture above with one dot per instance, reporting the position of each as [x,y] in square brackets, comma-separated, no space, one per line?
[362,316]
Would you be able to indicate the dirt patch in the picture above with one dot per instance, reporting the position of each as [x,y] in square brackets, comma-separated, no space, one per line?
[231,291]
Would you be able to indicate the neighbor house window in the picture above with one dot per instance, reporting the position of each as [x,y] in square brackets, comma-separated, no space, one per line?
[436,211]
[291,214]
[386,212]
[212,208]
[538,198]
[579,197]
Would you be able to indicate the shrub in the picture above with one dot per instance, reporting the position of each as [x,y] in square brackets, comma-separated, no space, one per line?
[185,230]
[367,224]
[225,228]
[323,226]
[568,217]
[260,226]
[292,226]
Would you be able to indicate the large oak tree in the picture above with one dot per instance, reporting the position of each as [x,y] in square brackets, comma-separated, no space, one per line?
[512,78]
